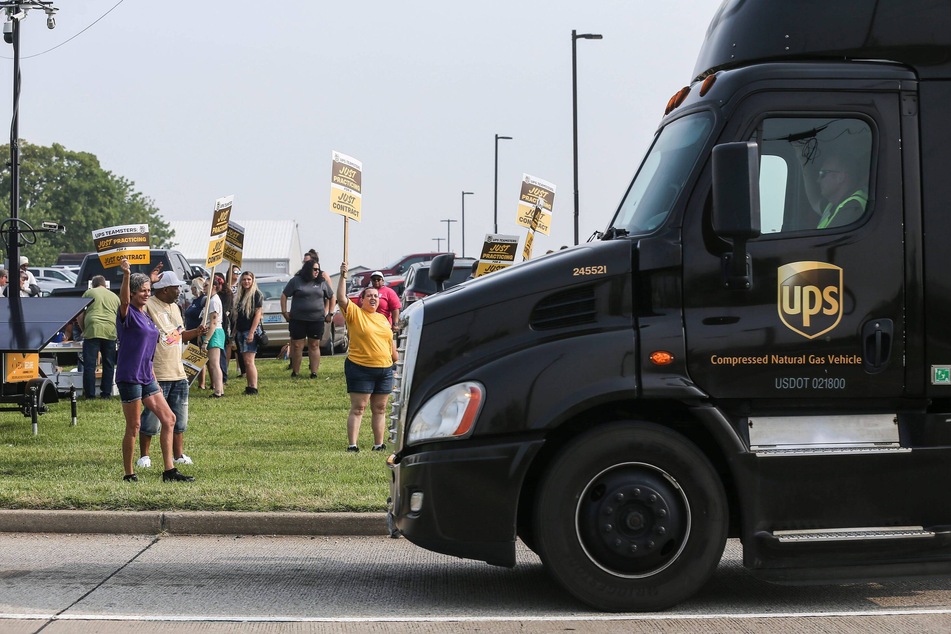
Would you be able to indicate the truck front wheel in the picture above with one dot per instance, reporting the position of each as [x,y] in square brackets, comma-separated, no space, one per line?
[631,517]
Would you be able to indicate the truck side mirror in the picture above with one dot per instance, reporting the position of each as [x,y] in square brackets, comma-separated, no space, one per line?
[441,268]
[736,206]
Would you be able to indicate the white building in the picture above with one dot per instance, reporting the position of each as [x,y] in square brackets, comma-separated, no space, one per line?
[271,247]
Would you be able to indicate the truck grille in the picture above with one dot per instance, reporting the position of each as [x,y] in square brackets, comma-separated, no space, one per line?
[411,327]
[572,307]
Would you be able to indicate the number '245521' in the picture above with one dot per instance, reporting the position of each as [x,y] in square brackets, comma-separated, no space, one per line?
[590,270]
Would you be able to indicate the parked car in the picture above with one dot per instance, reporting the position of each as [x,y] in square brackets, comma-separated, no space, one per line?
[418,284]
[47,284]
[54,274]
[399,267]
[72,268]
[335,339]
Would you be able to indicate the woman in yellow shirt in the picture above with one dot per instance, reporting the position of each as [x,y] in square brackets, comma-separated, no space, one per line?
[369,364]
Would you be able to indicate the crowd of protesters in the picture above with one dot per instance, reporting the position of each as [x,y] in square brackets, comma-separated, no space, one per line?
[224,316]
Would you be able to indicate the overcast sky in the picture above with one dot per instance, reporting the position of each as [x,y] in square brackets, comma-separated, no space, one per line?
[194,101]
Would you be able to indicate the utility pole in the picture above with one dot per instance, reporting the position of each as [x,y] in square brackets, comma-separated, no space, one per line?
[15,12]
[448,222]
[464,194]
[495,215]
[575,36]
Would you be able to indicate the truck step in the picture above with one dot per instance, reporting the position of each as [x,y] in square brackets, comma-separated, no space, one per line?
[815,451]
[853,534]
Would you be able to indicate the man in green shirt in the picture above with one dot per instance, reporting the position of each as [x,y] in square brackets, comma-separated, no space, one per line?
[98,324]
[840,187]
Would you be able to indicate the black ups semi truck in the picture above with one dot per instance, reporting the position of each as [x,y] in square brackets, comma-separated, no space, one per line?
[758,346]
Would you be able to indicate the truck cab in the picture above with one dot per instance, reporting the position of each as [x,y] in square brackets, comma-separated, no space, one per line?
[754,348]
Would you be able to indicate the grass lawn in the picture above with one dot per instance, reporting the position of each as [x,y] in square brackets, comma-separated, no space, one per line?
[282,450]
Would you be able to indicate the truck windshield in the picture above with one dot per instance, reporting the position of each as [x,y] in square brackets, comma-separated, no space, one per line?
[662,175]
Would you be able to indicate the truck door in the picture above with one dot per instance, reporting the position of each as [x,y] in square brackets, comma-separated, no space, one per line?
[823,317]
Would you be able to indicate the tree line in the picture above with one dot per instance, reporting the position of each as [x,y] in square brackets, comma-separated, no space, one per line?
[73,189]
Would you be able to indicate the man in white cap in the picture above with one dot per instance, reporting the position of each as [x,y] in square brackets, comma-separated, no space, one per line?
[162,308]
[24,266]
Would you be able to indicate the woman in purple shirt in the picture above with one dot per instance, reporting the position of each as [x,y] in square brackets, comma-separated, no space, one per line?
[138,337]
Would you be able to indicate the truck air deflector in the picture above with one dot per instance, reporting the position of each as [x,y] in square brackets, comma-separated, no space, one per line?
[913,32]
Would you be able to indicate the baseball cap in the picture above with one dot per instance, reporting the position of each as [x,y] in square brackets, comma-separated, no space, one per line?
[168,279]
[24,260]
[375,274]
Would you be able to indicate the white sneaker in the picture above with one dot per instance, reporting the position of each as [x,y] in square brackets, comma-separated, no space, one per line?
[144,462]
[183,459]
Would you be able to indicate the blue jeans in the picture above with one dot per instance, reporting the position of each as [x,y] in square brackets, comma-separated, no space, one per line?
[176,393]
[106,348]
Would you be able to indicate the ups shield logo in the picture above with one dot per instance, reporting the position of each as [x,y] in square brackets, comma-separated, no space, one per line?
[809,297]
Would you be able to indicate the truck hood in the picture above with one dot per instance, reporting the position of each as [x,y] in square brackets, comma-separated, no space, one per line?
[578,266]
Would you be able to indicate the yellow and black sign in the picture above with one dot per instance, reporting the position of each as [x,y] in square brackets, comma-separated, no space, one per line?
[219,229]
[498,252]
[125,241]
[20,366]
[346,186]
[535,203]
[809,297]
[234,243]
[194,359]
[527,249]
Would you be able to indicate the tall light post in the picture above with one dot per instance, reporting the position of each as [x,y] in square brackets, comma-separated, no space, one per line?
[574,107]
[495,215]
[438,244]
[15,11]
[464,194]
[448,222]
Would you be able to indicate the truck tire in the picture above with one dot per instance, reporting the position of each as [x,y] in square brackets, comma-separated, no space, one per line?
[631,517]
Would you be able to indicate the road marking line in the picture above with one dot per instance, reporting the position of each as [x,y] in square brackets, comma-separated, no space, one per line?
[468,619]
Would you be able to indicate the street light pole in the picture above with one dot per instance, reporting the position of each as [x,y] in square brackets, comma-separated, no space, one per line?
[16,11]
[464,194]
[448,242]
[438,245]
[495,216]
[574,107]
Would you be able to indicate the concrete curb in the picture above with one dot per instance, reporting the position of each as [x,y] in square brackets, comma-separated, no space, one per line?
[192,523]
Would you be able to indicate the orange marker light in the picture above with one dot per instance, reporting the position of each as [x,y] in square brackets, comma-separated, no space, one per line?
[661,357]
[472,408]
[677,99]
[707,84]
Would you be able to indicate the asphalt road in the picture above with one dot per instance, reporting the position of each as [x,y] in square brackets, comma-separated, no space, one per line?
[173,583]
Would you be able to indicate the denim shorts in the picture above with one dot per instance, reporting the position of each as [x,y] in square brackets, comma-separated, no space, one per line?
[241,341]
[364,380]
[176,393]
[132,392]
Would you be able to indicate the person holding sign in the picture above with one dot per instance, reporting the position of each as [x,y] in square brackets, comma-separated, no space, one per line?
[369,364]
[162,308]
[138,337]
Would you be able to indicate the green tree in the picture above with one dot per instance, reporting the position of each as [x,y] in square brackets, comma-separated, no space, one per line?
[71,188]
